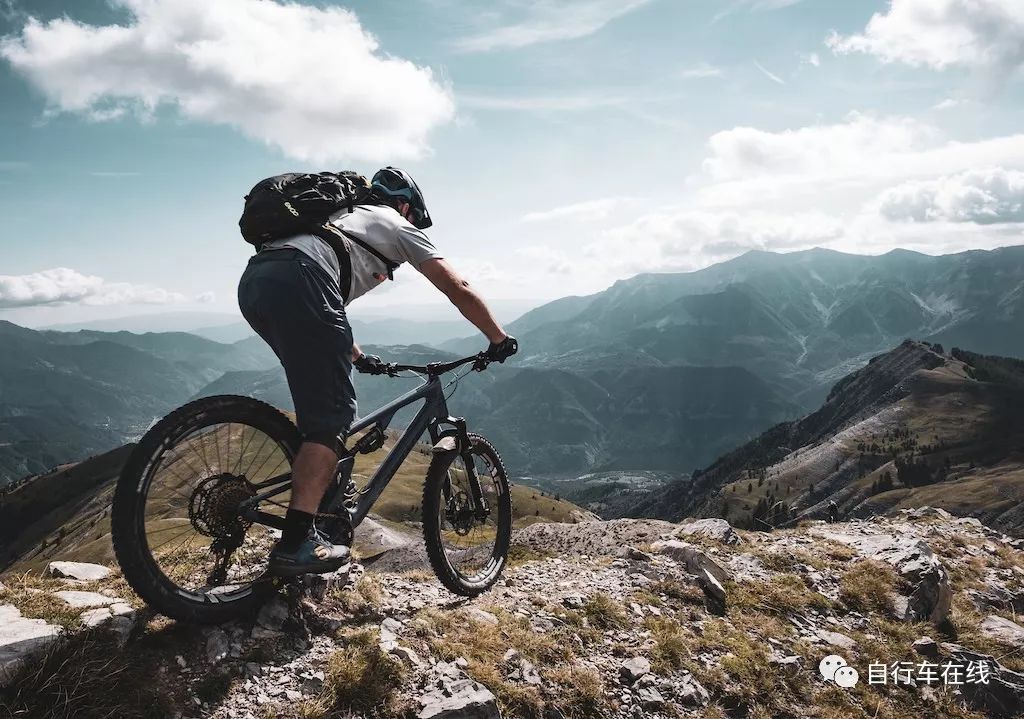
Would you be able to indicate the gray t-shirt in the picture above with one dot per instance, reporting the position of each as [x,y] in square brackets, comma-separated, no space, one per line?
[379,226]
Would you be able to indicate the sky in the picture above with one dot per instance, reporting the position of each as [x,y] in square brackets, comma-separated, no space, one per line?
[562,145]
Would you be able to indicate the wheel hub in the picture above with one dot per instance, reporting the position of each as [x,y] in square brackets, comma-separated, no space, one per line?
[213,509]
[460,514]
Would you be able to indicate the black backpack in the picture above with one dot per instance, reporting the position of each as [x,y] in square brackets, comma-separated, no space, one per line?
[301,203]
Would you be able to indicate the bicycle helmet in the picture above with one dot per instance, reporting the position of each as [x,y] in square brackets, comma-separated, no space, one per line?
[391,182]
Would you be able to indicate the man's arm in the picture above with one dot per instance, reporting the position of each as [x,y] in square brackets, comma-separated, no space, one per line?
[465,298]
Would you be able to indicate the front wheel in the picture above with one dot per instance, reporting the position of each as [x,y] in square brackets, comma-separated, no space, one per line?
[467,537]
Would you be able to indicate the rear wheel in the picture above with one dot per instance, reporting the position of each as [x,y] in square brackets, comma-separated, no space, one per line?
[467,544]
[177,534]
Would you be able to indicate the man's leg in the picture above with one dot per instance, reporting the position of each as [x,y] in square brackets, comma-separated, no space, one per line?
[312,473]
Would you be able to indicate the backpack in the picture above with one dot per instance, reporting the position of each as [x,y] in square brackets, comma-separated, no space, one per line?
[302,203]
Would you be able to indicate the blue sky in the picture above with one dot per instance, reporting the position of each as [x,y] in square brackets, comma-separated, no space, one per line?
[561,145]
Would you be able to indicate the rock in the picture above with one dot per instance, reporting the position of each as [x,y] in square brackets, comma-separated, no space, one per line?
[408,656]
[121,627]
[997,597]
[318,585]
[525,671]
[718,530]
[259,632]
[693,559]
[691,693]
[373,539]
[217,646]
[923,512]
[1002,696]
[388,635]
[931,596]
[836,639]
[713,591]
[78,570]
[96,617]
[479,615]
[84,600]
[20,638]
[789,665]
[459,699]
[118,619]
[637,555]
[1002,630]
[926,647]
[574,601]
[650,698]
[634,668]
[273,614]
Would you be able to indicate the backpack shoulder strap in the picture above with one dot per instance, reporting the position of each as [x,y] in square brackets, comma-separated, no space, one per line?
[332,236]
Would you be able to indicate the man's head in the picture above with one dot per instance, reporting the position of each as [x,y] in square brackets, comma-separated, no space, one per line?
[398,189]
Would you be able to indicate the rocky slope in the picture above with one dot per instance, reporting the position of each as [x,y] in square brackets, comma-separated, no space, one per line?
[629,618]
[916,426]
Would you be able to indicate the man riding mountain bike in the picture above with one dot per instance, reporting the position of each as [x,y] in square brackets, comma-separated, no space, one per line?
[294,293]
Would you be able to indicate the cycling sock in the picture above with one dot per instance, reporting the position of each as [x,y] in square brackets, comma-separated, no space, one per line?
[296,527]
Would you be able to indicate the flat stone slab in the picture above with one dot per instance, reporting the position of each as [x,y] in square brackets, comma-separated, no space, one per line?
[1002,630]
[82,571]
[20,638]
[85,600]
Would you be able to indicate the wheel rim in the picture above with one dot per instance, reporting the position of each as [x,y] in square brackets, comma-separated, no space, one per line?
[191,489]
[472,542]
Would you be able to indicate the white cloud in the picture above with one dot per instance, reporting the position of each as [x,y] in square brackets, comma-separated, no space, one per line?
[841,147]
[206,297]
[861,154]
[547,260]
[702,70]
[943,33]
[812,58]
[65,286]
[769,74]
[307,80]
[550,20]
[980,196]
[688,239]
[586,211]
[948,104]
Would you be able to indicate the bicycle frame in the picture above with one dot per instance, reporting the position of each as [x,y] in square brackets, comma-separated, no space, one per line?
[434,412]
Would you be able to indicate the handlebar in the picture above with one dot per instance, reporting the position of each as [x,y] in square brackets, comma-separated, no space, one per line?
[434,369]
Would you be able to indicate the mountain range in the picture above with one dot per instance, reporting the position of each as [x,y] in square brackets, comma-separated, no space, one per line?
[800,321]
[660,372]
[65,395]
[918,426]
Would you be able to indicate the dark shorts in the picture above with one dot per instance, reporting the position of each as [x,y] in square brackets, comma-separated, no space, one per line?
[297,309]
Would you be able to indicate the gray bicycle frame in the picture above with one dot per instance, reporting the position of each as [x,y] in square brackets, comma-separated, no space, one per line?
[433,412]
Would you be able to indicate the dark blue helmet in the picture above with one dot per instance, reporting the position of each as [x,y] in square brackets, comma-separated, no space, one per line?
[392,182]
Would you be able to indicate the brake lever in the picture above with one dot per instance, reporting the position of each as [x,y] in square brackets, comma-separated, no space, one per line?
[480,363]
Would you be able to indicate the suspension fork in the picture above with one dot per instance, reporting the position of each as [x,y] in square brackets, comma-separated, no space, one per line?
[464,447]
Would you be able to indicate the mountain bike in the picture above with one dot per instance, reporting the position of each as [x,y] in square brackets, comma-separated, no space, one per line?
[202,498]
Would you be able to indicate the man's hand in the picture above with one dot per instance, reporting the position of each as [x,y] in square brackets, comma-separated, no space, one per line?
[370,364]
[501,351]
